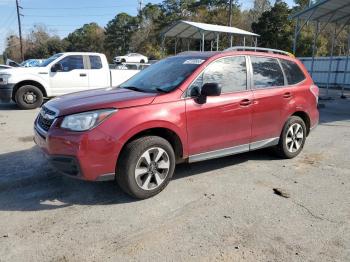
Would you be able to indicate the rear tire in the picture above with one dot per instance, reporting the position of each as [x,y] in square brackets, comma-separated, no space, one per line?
[146,166]
[292,139]
[29,97]
[142,61]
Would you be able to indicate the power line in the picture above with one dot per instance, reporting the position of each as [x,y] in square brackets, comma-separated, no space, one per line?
[71,16]
[75,8]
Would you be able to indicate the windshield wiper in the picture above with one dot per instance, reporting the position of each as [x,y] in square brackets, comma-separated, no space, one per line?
[134,88]
[161,90]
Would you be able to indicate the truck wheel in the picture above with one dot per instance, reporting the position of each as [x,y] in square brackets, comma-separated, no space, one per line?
[292,139]
[123,60]
[146,166]
[142,61]
[29,97]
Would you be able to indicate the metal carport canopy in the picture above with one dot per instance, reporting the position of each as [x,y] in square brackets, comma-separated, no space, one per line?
[195,30]
[330,11]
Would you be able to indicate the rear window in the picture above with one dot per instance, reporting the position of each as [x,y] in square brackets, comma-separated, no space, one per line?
[95,62]
[293,72]
[266,72]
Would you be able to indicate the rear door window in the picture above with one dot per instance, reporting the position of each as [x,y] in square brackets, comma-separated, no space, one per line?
[266,72]
[293,72]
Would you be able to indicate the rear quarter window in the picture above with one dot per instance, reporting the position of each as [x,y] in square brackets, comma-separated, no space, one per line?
[95,62]
[293,72]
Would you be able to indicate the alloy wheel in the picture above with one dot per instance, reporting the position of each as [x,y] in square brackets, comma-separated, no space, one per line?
[152,168]
[295,137]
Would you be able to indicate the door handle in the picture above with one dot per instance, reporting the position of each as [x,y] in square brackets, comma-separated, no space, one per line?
[245,102]
[287,95]
[82,75]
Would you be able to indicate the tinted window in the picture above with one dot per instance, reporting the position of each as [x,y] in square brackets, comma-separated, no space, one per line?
[95,62]
[292,71]
[72,62]
[230,73]
[267,72]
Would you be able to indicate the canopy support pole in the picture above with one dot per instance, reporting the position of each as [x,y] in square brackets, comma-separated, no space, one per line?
[243,40]
[231,40]
[331,58]
[296,35]
[314,47]
[175,44]
[217,42]
[345,68]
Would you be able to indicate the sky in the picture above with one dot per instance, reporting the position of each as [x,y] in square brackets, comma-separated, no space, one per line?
[64,16]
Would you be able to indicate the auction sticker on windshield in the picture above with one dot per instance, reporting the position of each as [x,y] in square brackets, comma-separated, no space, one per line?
[194,62]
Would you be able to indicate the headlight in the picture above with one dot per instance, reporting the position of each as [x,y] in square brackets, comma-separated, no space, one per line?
[4,79]
[86,121]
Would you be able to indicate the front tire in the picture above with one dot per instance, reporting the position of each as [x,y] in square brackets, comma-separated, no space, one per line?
[29,97]
[292,139]
[146,166]
[142,61]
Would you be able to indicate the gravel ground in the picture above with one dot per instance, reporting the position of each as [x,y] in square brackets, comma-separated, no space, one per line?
[222,209]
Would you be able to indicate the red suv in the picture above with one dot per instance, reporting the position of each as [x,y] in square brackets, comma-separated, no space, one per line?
[191,107]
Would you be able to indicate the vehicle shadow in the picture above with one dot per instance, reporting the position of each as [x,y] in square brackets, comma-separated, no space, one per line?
[8,106]
[28,183]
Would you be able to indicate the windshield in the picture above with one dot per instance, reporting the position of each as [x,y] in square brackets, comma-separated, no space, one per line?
[49,60]
[165,75]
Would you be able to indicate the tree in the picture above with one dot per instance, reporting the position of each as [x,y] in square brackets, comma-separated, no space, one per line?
[259,7]
[118,34]
[89,38]
[275,28]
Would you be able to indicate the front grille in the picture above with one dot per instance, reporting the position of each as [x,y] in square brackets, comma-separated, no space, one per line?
[43,123]
[46,118]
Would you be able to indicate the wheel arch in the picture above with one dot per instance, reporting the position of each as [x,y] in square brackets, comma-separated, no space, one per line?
[28,82]
[168,134]
[306,118]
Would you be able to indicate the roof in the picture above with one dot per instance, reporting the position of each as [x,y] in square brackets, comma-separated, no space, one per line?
[188,29]
[333,11]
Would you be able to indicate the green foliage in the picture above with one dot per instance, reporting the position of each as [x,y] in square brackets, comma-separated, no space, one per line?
[274,27]
[118,34]
[142,33]
[88,38]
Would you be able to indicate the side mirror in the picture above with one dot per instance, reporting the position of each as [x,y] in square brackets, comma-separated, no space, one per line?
[57,67]
[211,89]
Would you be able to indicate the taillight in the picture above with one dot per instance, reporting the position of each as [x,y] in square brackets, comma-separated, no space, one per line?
[315,91]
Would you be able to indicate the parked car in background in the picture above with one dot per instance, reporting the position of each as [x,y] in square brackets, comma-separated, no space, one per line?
[131,58]
[60,74]
[191,107]
[5,67]
[12,63]
[31,62]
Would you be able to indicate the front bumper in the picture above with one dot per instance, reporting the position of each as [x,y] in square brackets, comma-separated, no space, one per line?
[6,92]
[88,156]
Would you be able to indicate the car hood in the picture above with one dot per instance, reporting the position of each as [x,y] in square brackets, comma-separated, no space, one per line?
[24,70]
[99,99]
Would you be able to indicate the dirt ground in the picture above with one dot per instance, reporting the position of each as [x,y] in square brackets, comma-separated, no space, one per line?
[222,209]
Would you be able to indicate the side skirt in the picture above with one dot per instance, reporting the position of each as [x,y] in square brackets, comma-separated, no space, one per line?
[234,150]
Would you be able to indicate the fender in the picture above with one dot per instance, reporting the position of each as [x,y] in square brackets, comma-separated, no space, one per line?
[157,124]
[20,76]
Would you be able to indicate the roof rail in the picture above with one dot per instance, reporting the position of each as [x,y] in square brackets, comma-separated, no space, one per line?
[259,49]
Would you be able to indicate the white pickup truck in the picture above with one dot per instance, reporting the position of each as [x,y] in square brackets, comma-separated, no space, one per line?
[60,74]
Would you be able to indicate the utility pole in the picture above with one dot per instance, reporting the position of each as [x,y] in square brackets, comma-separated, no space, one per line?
[140,6]
[20,28]
[230,13]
